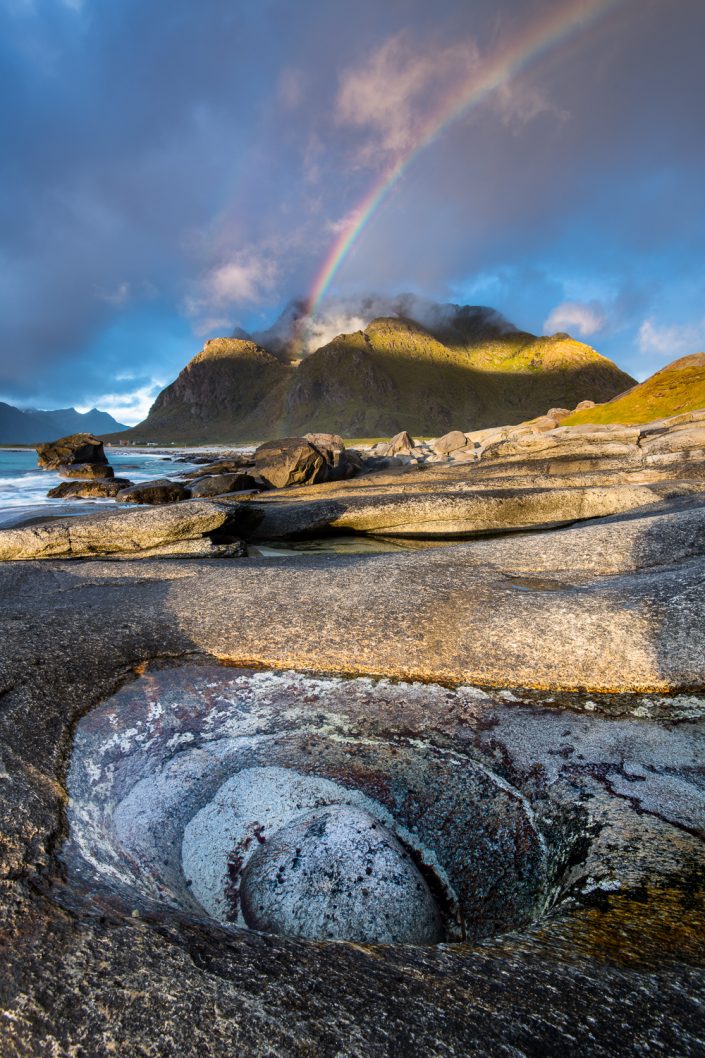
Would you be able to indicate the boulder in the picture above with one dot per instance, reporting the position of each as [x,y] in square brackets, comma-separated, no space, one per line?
[400,445]
[332,448]
[161,490]
[290,461]
[354,458]
[374,893]
[231,465]
[450,442]
[86,471]
[103,488]
[219,484]
[117,532]
[582,406]
[326,441]
[560,413]
[76,448]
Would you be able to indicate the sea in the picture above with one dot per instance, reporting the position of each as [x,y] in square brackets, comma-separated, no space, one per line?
[24,487]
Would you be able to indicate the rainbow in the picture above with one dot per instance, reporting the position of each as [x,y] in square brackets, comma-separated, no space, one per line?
[497,71]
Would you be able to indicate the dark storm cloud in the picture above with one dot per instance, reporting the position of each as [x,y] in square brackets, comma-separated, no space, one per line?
[172,169]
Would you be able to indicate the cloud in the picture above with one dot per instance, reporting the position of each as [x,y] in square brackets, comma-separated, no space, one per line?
[671,341]
[520,102]
[138,205]
[119,295]
[394,91]
[130,407]
[247,278]
[243,279]
[345,315]
[577,318]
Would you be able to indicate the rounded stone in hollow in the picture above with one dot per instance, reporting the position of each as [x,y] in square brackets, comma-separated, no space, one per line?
[337,873]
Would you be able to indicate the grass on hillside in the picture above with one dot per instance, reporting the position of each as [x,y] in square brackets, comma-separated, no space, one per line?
[678,388]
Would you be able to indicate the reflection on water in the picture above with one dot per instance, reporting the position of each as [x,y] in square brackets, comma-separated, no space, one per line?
[344,545]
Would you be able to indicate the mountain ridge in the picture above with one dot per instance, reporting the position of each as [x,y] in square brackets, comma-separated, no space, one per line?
[469,367]
[35,426]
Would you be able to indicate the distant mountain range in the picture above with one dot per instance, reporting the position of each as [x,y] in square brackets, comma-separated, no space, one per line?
[22,426]
[462,367]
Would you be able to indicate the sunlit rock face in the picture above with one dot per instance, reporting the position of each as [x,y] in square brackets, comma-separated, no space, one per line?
[227,797]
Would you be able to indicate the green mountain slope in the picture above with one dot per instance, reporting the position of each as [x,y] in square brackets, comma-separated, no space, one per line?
[472,371]
[677,388]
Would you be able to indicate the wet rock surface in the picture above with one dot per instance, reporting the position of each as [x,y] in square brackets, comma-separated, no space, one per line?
[158,491]
[76,448]
[221,484]
[86,471]
[102,488]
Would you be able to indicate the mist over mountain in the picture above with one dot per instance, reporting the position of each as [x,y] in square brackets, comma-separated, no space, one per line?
[297,333]
[446,367]
[32,426]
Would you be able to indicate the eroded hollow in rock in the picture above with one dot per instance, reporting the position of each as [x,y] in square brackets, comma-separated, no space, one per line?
[256,800]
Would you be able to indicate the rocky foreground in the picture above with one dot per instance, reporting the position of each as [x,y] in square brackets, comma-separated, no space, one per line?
[522,714]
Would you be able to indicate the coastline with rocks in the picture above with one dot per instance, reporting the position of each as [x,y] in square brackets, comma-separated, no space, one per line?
[496,746]
[352,529]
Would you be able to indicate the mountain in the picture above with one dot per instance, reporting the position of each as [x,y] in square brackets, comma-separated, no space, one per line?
[214,393]
[30,426]
[462,368]
[677,388]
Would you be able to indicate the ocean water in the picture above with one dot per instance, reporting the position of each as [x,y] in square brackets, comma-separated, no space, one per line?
[24,487]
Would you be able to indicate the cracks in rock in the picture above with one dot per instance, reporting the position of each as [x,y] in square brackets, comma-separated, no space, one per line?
[601,773]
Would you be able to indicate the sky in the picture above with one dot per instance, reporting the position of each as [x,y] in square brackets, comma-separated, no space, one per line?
[175,169]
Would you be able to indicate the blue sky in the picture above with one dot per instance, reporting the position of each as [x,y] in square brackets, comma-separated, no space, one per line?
[174,169]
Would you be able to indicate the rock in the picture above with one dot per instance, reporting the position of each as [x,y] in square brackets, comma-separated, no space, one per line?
[219,484]
[582,406]
[76,448]
[114,532]
[575,442]
[450,442]
[354,458]
[543,424]
[86,471]
[106,488]
[464,455]
[231,465]
[376,462]
[428,511]
[326,442]
[161,490]
[400,445]
[609,965]
[290,461]
[332,448]
[201,547]
[686,438]
[559,413]
[372,891]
